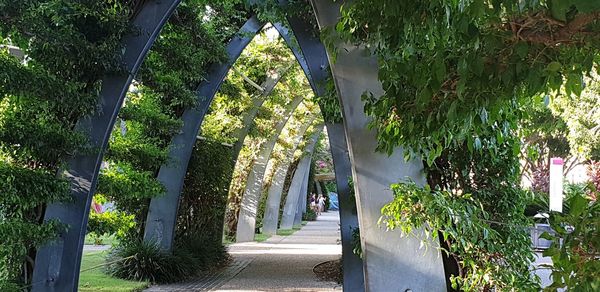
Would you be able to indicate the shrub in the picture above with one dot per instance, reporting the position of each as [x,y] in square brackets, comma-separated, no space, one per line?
[207,252]
[357,246]
[109,223]
[310,215]
[141,260]
[576,243]
[204,197]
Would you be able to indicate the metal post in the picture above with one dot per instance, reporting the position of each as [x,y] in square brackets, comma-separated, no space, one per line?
[315,57]
[352,264]
[247,218]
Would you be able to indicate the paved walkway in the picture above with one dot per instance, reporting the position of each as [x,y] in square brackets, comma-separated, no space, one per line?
[282,263]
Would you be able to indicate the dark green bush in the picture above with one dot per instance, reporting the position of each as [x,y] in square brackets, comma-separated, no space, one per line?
[310,215]
[203,200]
[575,242]
[141,260]
[207,252]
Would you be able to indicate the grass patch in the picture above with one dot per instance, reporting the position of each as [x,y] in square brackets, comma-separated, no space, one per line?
[95,280]
[287,232]
[106,240]
[260,237]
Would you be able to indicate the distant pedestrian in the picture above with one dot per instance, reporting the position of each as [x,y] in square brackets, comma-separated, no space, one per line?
[321,204]
[313,203]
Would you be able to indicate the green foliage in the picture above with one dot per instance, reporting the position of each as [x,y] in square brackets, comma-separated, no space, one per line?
[70,46]
[192,40]
[122,181]
[23,190]
[329,103]
[490,254]
[93,277]
[109,223]
[139,151]
[203,201]
[273,11]
[144,261]
[451,69]
[356,245]
[130,189]
[544,136]
[310,215]
[582,117]
[575,243]
[19,236]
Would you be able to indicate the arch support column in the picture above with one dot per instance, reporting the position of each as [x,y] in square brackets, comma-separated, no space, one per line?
[352,264]
[271,216]
[291,203]
[57,264]
[162,214]
[386,254]
[317,63]
[248,208]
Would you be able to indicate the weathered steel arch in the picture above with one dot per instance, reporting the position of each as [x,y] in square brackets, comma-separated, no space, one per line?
[162,214]
[317,64]
[248,118]
[248,207]
[293,198]
[271,215]
[58,263]
[387,254]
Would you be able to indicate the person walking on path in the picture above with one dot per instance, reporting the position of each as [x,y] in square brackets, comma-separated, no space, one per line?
[313,203]
[321,203]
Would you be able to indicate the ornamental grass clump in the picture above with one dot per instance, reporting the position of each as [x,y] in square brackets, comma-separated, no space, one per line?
[141,261]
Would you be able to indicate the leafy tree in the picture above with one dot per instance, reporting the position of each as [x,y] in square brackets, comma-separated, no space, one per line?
[457,79]
[450,68]
[69,46]
[582,118]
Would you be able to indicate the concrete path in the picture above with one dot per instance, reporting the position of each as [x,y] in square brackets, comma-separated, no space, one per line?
[285,263]
[281,263]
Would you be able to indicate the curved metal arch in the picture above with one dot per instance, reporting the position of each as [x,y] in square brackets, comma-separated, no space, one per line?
[250,200]
[162,214]
[58,263]
[294,193]
[317,63]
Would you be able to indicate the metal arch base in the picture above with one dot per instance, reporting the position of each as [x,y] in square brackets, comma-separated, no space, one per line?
[162,214]
[58,263]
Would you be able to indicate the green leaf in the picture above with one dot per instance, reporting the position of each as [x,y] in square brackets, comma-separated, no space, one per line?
[546,235]
[559,9]
[577,205]
[522,48]
[554,66]
[477,143]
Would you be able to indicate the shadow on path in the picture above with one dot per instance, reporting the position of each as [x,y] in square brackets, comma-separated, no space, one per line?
[281,263]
